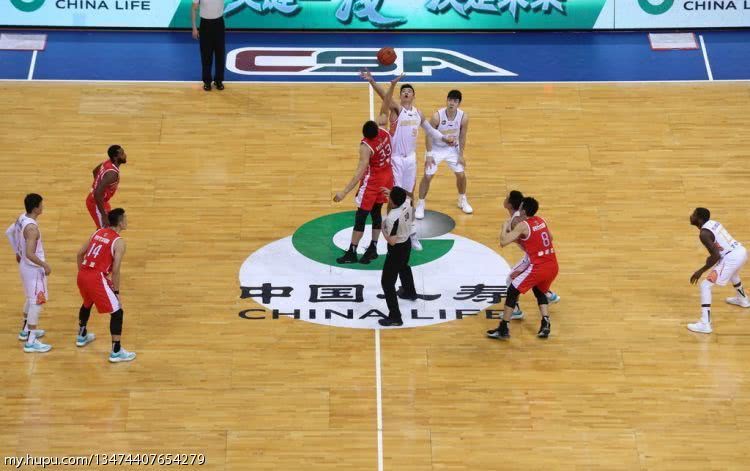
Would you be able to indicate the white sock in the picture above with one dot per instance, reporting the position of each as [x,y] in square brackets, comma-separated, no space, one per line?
[706,313]
[32,336]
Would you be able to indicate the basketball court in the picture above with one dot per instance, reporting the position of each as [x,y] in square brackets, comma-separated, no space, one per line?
[257,352]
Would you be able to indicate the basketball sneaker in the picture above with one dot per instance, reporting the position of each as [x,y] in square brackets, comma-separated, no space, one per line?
[736,300]
[391,322]
[370,254]
[700,327]
[544,328]
[122,355]
[464,205]
[348,257]
[501,333]
[419,210]
[415,243]
[36,347]
[402,294]
[24,335]
[517,313]
[83,340]
[552,298]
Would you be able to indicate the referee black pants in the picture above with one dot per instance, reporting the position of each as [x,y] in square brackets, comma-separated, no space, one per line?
[212,44]
[397,265]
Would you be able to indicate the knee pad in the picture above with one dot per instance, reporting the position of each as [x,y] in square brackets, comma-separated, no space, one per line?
[541,298]
[359,220]
[511,299]
[115,322]
[32,317]
[377,218]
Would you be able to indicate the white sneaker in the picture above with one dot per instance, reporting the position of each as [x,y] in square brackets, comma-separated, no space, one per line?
[463,203]
[739,301]
[122,355]
[552,297]
[25,335]
[82,341]
[415,243]
[36,347]
[700,327]
[419,210]
[517,313]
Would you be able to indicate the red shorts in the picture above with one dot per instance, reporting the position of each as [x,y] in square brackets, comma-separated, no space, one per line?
[97,290]
[94,211]
[371,191]
[540,276]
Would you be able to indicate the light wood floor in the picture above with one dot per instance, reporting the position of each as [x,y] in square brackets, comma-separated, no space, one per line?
[621,385]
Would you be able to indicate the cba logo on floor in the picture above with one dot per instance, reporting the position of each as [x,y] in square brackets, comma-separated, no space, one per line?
[298,277]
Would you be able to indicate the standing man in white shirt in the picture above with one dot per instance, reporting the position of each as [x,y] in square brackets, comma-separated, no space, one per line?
[397,229]
[211,35]
[26,241]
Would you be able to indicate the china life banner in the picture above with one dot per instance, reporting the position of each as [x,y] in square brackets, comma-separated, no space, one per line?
[449,15]
[682,13]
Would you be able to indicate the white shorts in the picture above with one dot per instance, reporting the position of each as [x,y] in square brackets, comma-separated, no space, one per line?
[449,155]
[728,267]
[34,283]
[405,171]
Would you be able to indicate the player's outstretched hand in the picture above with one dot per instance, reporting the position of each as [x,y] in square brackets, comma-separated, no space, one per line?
[398,79]
[366,75]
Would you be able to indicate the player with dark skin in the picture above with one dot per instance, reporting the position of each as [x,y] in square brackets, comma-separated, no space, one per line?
[708,240]
[109,178]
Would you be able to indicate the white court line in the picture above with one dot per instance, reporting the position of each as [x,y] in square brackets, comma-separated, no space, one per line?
[31,67]
[378,374]
[705,59]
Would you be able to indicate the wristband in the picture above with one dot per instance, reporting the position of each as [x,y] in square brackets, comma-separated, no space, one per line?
[428,155]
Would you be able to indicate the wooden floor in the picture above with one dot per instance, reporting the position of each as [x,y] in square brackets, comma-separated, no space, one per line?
[621,384]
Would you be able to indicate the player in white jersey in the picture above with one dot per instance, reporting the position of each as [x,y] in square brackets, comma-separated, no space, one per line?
[450,121]
[512,203]
[405,121]
[726,258]
[26,241]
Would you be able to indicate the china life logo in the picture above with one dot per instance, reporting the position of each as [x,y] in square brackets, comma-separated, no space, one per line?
[297,277]
[27,5]
[655,7]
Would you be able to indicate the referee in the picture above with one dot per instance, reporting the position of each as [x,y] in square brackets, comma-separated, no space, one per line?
[211,39]
[397,228]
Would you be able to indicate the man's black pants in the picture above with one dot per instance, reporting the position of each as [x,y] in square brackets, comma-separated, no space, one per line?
[397,265]
[212,44]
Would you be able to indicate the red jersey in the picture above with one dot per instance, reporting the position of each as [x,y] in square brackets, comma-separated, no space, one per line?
[105,167]
[380,160]
[538,245]
[100,252]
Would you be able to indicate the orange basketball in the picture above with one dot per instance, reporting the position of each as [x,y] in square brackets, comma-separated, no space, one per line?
[387,56]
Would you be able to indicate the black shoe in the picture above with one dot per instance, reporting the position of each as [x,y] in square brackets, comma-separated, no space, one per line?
[219,85]
[544,329]
[402,294]
[348,257]
[391,322]
[207,86]
[368,256]
[501,333]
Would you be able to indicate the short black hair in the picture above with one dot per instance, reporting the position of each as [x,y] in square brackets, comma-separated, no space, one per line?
[115,216]
[407,85]
[113,151]
[703,214]
[370,130]
[530,206]
[515,198]
[398,195]
[455,95]
[32,201]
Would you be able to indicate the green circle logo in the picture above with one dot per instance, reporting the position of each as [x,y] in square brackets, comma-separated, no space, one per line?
[651,9]
[27,5]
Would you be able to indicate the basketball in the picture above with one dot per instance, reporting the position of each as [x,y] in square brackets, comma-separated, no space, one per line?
[386,56]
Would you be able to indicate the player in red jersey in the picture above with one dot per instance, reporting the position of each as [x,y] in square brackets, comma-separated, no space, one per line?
[374,173]
[106,179]
[99,261]
[535,238]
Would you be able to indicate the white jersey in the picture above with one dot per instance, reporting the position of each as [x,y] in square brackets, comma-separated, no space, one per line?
[449,127]
[15,235]
[722,239]
[405,130]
